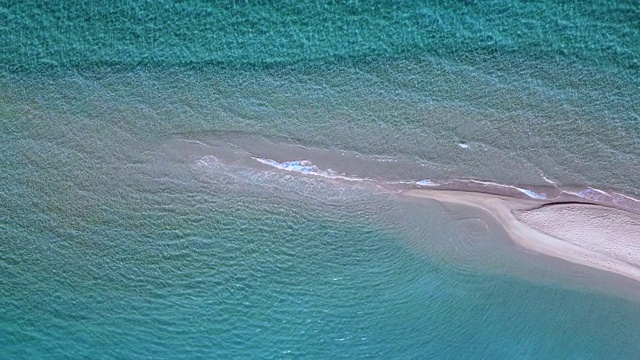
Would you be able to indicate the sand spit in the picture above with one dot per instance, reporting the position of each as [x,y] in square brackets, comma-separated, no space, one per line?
[592,235]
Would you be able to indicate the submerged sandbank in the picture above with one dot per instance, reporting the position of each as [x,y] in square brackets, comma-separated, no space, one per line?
[597,236]
[586,226]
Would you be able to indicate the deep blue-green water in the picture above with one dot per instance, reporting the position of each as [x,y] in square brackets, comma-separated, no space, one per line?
[136,223]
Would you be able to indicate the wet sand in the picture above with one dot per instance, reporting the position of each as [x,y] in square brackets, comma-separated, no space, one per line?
[597,236]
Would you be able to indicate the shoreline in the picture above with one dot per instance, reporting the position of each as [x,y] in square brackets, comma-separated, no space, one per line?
[585,233]
[539,195]
[531,215]
[394,174]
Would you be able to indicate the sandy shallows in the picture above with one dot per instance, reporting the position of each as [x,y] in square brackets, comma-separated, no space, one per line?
[592,235]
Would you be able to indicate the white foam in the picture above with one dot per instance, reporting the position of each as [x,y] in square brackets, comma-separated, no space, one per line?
[627,201]
[208,160]
[308,168]
[530,193]
[592,194]
[426,182]
[548,179]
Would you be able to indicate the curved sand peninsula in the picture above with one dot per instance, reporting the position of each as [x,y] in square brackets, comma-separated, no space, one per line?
[593,235]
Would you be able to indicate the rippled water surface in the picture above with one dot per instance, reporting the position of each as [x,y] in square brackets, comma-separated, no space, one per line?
[148,207]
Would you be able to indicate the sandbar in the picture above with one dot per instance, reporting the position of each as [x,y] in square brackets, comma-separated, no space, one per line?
[589,234]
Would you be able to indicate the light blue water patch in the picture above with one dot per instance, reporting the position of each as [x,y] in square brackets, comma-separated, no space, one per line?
[242,276]
[426,182]
[301,166]
[532,194]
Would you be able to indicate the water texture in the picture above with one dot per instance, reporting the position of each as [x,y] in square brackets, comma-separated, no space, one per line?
[137,222]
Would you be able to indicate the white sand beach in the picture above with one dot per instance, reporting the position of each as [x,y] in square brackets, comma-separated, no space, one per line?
[592,235]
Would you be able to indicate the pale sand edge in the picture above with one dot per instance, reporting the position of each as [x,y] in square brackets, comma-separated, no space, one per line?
[502,208]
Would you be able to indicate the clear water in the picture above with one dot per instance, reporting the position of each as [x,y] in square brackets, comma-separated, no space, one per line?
[120,241]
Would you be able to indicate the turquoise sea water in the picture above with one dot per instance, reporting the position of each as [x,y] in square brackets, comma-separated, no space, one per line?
[124,236]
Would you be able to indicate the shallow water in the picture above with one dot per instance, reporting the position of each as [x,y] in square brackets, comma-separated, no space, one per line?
[188,259]
[136,222]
